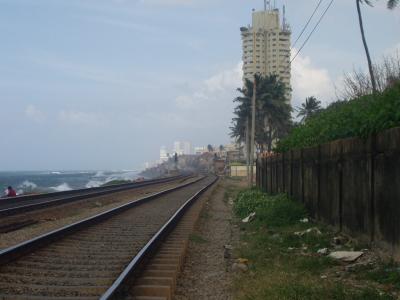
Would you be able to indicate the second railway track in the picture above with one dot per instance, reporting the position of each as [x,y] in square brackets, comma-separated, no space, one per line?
[21,204]
[43,218]
[84,262]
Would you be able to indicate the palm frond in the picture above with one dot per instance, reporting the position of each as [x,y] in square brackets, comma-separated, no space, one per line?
[391,4]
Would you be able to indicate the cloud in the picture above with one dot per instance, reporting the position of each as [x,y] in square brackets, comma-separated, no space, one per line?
[124,24]
[309,80]
[167,2]
[225,80]
[34,114]
[80,118]
[82,71]
[393,51]
[215,88]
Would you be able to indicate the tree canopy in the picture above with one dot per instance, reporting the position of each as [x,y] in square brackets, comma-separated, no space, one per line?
[273,111]
[309,108]
[359,117]
[391,4]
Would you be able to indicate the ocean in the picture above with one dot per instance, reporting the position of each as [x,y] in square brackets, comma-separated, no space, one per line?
[57,181]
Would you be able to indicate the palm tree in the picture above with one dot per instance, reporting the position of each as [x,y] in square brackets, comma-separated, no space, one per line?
[309,108]
[242,112]
[360,20]
[391,4]
[210,148]
[272,111]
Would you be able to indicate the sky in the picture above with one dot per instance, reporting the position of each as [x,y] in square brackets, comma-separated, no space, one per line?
[102,84]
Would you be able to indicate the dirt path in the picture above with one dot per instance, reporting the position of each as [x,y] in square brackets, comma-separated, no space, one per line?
[206,273]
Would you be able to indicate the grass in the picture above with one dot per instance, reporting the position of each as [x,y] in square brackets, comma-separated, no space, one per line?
[116,182]
[237,163]
[284,265]
[195,238]
[230,193]
[205,214]
[360,117]
[237,178]
[387,274]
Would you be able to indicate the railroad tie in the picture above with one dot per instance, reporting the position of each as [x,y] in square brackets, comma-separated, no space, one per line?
[159,278]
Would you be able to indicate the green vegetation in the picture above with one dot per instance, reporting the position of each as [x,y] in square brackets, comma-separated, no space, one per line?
[113,182]
[195,238]
[309,108]
[237,163]
[273,119]
[271,210]
[285,265]
[355,118]
[388,274]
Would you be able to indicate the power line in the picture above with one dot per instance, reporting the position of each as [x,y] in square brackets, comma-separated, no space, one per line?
[311,33]
[308,22]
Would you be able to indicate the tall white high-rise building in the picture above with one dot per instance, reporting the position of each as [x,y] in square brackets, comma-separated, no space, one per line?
[164,155]
[183,148]
[200,150]
[266,46]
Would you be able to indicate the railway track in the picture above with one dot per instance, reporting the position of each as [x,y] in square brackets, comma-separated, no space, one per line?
[97,257]
[21,204]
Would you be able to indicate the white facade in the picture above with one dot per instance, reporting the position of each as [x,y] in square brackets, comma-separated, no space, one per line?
[266,46]
[231,147]
[164,155]
[148,165]
[187,148]
[183,148]
[200,150]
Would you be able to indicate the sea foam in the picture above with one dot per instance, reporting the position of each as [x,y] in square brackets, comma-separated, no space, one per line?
[61,188]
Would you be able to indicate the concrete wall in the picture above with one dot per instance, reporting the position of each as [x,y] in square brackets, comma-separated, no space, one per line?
[352,184]
[240,171]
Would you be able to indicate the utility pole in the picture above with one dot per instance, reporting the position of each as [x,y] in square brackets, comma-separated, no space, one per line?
[253,131]
[253,111]
[248,151]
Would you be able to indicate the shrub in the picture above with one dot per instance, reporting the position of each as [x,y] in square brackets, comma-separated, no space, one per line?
[281,211]
[277,210]
[248,201]
[360,117]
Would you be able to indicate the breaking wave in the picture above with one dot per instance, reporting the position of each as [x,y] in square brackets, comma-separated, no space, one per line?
[61,188]
[94,183]
[28,185]
[99,174]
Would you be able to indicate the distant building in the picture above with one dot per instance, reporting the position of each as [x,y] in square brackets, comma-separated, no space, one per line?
[231,147]
[200,150]
[187,148]
[164,155]
[148,165]
[266,46]
[234,153]
[183,148]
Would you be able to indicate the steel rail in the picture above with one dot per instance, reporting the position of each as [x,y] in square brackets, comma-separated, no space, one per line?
[9,254]
[117,290]
[10,200]
[87,193]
